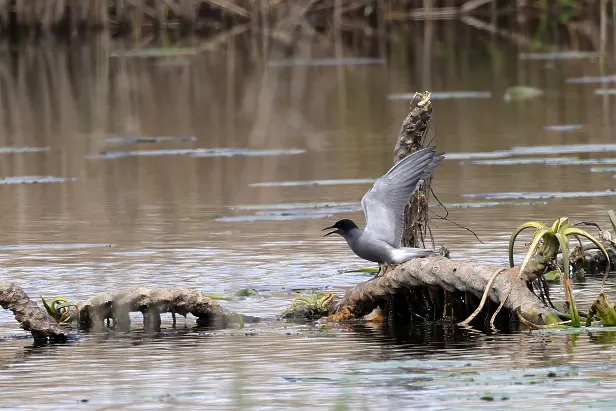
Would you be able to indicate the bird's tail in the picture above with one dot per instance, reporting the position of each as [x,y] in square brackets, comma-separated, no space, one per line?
[409,253]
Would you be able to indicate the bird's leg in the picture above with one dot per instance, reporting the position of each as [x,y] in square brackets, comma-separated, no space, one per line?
[384,269]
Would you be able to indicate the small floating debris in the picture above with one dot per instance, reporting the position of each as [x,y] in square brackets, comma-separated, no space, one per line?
[472,156]
[35,180]
[314,182]
[445,95]
[330,211]
[519,93]
[490,204]
[270,217]
[292,206]
[238,152]
[148,139]
[15,150]
[544,195]
[326,62]
[565,55]
[602,169]
[606,91]
[198,152]
[550,161]
[31,247]
[564,149]
[564,127]
[591,80]
[532,150]
[156,52]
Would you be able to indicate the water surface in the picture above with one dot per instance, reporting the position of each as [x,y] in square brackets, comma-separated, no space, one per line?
[171,220]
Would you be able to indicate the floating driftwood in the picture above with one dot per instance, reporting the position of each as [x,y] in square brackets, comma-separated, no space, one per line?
[29,315]
[442,288]
[111,310]
[152,302]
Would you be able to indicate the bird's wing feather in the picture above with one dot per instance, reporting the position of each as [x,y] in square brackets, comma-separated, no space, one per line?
[384,203]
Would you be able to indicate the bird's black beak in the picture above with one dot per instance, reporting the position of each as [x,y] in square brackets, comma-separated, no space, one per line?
[329,228]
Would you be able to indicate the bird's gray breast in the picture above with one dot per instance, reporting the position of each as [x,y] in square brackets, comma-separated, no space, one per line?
[371,249]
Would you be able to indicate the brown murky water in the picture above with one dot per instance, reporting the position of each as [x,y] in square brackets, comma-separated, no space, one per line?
[174,218]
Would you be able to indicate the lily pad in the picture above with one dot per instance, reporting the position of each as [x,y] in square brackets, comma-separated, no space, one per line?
[35,180]
[333,62]
[519,93]
[314,182]
[445,95]
[246,292]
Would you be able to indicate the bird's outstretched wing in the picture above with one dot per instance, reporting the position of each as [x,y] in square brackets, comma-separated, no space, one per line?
[384,203]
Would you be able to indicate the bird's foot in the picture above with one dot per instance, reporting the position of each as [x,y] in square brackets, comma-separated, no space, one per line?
[384,269]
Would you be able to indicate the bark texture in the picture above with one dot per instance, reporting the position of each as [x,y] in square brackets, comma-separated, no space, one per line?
[152,302]
[451,276]
[410,139]
[30,316]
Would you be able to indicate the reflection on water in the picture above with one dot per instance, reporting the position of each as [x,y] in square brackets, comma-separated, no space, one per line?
[168,220]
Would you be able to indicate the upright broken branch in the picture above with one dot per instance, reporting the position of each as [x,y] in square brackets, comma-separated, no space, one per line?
[410,139]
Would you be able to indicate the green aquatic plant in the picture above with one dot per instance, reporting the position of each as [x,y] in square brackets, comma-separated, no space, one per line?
[547,242]
[61,309]
[318,304]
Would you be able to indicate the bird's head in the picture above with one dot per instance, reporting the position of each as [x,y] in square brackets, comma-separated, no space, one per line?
[341,227]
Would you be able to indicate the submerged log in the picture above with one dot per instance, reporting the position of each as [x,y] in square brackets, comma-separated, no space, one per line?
[30,316]
[441,276]
[152,302]
[116,306]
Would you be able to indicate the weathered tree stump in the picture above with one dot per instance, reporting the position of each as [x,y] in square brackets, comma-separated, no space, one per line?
[30,316]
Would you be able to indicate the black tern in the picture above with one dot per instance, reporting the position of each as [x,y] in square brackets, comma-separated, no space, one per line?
[383,208]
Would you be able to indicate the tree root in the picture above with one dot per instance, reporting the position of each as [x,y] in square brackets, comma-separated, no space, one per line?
[116,306]
[451,276]
[484,297]
[30,316]
[152,302]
